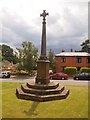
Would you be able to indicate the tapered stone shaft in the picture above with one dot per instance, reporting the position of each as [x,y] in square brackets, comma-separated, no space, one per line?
[43,45]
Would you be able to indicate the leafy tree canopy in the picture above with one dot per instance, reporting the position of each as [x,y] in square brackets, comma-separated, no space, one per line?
[51,57]
[7,54]
[28,56]
[84,45]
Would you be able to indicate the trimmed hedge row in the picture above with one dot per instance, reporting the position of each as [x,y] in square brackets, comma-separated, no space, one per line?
[70,70]
[20,73]
[85,70]
[73,70]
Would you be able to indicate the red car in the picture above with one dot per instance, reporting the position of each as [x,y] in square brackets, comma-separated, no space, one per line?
[59,76]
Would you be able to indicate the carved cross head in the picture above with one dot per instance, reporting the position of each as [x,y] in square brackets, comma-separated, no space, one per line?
[44,14]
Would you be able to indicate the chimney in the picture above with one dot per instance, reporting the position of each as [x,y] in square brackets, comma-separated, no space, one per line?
[71,50]
[63,50]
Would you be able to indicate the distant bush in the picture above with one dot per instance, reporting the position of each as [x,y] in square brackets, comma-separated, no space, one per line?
[22,72]
[85,70]
[70,70]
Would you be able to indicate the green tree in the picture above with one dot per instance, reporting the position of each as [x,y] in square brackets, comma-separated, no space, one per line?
[51,57]
[5,63]
[8,54]
[84,45]
[28,56]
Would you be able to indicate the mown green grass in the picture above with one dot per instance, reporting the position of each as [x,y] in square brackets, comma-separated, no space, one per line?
[75,106]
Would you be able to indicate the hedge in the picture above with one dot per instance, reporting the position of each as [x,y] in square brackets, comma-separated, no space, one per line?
[70,70]
[85,70]
[20,73]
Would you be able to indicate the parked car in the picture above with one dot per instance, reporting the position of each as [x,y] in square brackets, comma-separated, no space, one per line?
[5,74]
[59,76]
[82,76]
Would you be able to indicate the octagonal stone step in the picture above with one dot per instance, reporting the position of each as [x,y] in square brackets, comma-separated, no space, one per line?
[51,85]
[26,89]
[41,98]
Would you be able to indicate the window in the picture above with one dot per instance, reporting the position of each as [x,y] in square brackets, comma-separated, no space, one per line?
[63,60]
[88,60]
[57,74]
[79,60]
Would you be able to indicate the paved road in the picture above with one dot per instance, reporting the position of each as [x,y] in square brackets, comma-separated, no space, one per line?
[63,82]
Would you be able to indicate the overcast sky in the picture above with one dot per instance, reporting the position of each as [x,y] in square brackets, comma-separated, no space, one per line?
[67,23]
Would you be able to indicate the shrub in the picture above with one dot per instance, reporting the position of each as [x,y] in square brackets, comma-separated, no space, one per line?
[85,70]
[70,70]
[22,72]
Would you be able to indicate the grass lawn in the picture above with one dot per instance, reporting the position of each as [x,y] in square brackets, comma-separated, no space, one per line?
[75,106]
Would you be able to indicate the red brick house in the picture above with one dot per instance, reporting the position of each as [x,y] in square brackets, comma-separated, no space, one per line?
[72,59]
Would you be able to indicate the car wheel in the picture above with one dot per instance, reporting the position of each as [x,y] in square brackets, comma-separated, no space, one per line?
[63,78]
[4,76]
[51,78]
[76,78]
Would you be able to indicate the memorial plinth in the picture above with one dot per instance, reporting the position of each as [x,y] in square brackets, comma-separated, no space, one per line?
[42,89]
[42,72]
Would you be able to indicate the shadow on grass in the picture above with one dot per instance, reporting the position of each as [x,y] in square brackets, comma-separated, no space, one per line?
[31,111]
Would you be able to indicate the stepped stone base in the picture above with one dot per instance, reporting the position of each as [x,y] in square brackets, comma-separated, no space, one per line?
[41,92]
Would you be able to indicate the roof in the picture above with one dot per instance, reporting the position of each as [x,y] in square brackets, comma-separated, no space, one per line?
[84,54]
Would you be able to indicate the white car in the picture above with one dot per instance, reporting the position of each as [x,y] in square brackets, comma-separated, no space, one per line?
[5,74]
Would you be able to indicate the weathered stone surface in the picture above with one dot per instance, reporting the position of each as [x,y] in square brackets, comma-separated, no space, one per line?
[40,93]
[51,85]
[42,72]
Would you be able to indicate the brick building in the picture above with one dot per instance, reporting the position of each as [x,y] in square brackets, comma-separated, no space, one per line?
[72,59]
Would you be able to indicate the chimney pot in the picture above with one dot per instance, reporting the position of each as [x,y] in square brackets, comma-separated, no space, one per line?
[63,50]
[71,50]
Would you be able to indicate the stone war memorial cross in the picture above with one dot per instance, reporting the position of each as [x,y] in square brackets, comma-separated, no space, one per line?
[43,89]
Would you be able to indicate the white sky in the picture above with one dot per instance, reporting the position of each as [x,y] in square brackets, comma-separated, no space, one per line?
[67,23]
